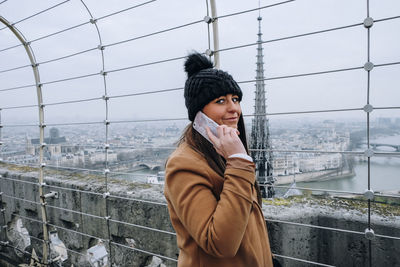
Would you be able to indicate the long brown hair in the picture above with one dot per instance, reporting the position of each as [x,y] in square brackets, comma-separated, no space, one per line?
[205,148]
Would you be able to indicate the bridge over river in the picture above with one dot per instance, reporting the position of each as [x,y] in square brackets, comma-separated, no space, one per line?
[155,164]
[375,146]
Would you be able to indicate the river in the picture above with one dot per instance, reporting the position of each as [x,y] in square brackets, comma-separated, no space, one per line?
[385,173]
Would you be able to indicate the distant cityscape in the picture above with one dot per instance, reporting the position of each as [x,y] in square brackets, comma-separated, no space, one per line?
[143,148]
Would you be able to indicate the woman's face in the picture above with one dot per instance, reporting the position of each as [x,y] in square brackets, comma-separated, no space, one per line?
[224,110]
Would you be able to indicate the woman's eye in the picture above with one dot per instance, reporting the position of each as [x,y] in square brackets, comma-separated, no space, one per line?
[235,99]
[220,101]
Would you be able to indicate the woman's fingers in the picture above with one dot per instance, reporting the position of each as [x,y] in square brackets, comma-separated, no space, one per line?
[221,130]
[212,137]
[227,142]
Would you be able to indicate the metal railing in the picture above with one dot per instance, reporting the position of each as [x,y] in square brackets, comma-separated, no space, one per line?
[106,97]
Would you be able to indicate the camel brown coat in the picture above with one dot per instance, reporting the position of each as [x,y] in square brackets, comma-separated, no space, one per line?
[218,220]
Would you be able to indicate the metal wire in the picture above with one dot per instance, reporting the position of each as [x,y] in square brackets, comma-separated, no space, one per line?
[386,19]
[331,191]
[290,37]
[387,64]
[145,252]
[148,92]
[18,107]
[315,189]
[161,231]
[91,215]
[54,207]
[303,74]
[254,9]
[38,13]
[220,50]
[87,192]
[75,26]
[55,226]
[174,89]
[139,200]
[56,245]
[164,204]
[78,169]
[182,57]
[143,227]
[73,101]
[176,119]
[52,60]
[68,56]
[16,68]
[357,153]
[94,216]
[32,237]
[147,64]
[20,181]
[81,254]
[301,260]
[126,9]
[131,148]
[304,34]
[154,33]
[72,78]
[17,87]
[329,228]
[308,112]
[75,123]
[368,137]
[41,240]
[181,88]
[39,260]
[150,120]
[93,170]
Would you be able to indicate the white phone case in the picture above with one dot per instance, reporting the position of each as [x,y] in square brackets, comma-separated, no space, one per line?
[201,121]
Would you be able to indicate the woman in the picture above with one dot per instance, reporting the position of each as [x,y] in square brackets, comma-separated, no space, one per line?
[213,198]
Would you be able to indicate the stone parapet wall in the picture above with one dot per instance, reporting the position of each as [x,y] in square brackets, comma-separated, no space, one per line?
[130,220]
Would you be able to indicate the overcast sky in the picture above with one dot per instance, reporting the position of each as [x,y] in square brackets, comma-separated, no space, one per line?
[345,48]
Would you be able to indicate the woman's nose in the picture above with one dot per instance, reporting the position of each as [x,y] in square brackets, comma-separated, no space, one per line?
[233,106]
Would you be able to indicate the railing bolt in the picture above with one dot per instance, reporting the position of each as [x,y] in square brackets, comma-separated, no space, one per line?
[52,194]
[369,234]
[369,153]
[209,52]
[369,66]
[208,19]
[368,22]
[369,194]
[368,108]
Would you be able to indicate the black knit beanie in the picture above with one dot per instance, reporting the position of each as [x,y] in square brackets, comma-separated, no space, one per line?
[204,83]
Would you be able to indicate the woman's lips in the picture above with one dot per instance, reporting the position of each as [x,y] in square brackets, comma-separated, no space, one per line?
[231,119]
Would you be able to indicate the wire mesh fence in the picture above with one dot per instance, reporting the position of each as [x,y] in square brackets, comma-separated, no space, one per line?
[108,75]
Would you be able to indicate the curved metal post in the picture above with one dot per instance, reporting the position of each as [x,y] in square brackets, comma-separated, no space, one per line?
[1,142]
[35,69]
[106,98]
[215,33]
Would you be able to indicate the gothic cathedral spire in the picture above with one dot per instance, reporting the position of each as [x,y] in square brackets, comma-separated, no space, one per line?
[260,138]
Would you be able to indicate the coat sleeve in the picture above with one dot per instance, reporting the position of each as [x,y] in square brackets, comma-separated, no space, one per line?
[217,226]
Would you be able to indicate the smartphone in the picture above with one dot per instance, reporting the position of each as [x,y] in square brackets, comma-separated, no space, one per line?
[201,121]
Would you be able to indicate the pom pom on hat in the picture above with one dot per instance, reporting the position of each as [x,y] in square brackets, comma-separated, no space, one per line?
[196,62]
[204,83]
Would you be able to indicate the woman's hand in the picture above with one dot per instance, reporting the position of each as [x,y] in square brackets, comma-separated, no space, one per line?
[228,142]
